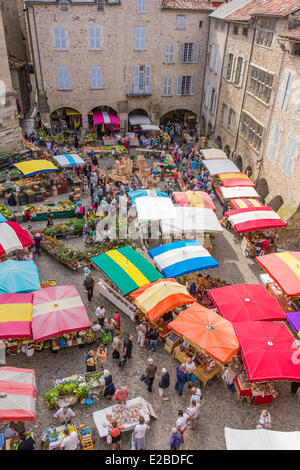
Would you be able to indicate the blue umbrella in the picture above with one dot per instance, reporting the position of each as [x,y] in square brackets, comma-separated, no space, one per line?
[2,218]
[18,277]
[144,192]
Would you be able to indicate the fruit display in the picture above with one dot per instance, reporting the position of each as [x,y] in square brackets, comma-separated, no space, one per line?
[72,227]
[5,212]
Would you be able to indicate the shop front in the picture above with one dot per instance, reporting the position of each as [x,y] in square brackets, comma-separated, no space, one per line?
[66,119]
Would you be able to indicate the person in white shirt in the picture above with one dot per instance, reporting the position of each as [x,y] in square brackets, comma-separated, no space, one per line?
[139,434]
[264,420]
[70,442]
[100,314]
[64,415]
[190,368]
[181,423]
[196,395]
[193,413]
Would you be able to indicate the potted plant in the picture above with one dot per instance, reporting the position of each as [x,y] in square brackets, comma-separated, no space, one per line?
[62,341]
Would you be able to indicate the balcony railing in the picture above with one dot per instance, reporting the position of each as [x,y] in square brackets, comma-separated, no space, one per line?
[146,91]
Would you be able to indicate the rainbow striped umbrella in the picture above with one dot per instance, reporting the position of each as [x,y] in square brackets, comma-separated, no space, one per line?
[284,268]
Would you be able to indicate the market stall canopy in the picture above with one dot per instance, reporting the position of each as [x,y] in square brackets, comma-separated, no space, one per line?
[232,180]
[160,297]
[17,394]
[2,219]
[13,237]
[244,302]
[56,311]
[252,219]
[194,199]
[213,154]
[206,329]
[65,160]
[191,220]
[18,277]
[139,119]
[150,127]
[245,203]
[294,320]
[268,351]
[32,167]
[105,118]
[238,192]
[126,268]
[261,439]
[155,208]
[145,192]
[220,166]
[15,315]
[284,268]
[180,258]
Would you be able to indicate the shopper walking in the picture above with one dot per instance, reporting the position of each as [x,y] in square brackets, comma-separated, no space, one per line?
[116,344]
[153,340]
[142,330]
[181,423]
[193,413]
[115,433]
[100,314]
[150,374]
[109,327]
[175,439]
[180,379]
[139,434]
[164,384]
[89,284]
[127,350]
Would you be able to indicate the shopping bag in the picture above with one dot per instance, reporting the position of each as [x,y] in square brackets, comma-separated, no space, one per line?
[108,439]
[105,337]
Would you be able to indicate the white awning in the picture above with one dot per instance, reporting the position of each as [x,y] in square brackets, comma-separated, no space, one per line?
[138,119]
[154,208]
[239,191]
[149,127]
[261,439]
[213,154]
[220,166]
[191,220]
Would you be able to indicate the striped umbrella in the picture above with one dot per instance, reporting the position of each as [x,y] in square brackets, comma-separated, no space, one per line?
[13,237]
[160,297]
[230,180]
[126,268]
[284,268]
[15,315]
[180,258]
[245,203]
[194,199]
[252,219]
[17,394]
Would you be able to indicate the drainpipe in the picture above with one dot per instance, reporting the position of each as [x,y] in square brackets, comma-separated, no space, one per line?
[263,150]
[31,48]
[204,73]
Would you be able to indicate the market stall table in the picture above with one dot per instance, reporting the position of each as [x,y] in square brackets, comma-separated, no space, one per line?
[137,406]
[55,436]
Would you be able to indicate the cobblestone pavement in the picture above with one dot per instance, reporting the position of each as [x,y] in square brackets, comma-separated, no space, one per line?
[219,406]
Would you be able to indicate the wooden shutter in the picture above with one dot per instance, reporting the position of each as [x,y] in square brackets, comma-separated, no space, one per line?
[286,89]
[225,67]
[92,38]
[148,78]
[169,53]
[178,86]
[96,78]
[60,38]
[274,143]
[233,69]
[57,37]
[67,85]
[181,52]
[193,85]
[136,78]
[170,85]
[97,37]
[214,102]
[165,86]
[63,38]
[140,39]
[242,72]
[195,52]
[137,41]
[60,76]
[291,151]
[207,96]
[141,6]
[212,57]
[217,60]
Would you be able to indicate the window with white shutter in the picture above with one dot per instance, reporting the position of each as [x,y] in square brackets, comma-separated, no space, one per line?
[63,74]
[96,78]
[178,86]
[181,52]
[233,69]
[274,143]
[286,89]
[231,122]
[217,59]
[148,79]
[212,104]
[95,38]
[195,52]
[297,112]
[167,86]
[291,153]
[60,38]
[136,78]
[140,39]
[193,85]
[141,6]
[180,22]
[169,54]
[212,57]
[207,96]
[224,113]
[226,65]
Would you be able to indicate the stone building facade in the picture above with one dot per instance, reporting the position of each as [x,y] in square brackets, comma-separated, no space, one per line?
[11,139]
[257,120]
[138,55]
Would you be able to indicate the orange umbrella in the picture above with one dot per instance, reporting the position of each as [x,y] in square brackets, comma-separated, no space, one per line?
[206,329]
[159,297]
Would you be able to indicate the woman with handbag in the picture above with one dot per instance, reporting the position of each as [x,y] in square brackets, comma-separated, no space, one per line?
[115,435]
[139,434]
[91,361]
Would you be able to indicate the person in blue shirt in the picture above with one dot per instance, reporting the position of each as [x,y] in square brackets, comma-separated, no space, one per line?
[194,164]
[180,379]
[175,439]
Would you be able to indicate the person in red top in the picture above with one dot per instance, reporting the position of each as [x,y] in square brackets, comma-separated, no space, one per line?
[115,433]
[27,216]
[175,175]
[117,320]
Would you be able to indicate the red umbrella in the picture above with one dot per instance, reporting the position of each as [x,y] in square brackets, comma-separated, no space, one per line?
[269,351]
[244,302]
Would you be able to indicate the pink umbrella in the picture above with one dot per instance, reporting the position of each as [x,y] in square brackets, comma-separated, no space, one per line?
[17,394]
[57,310]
